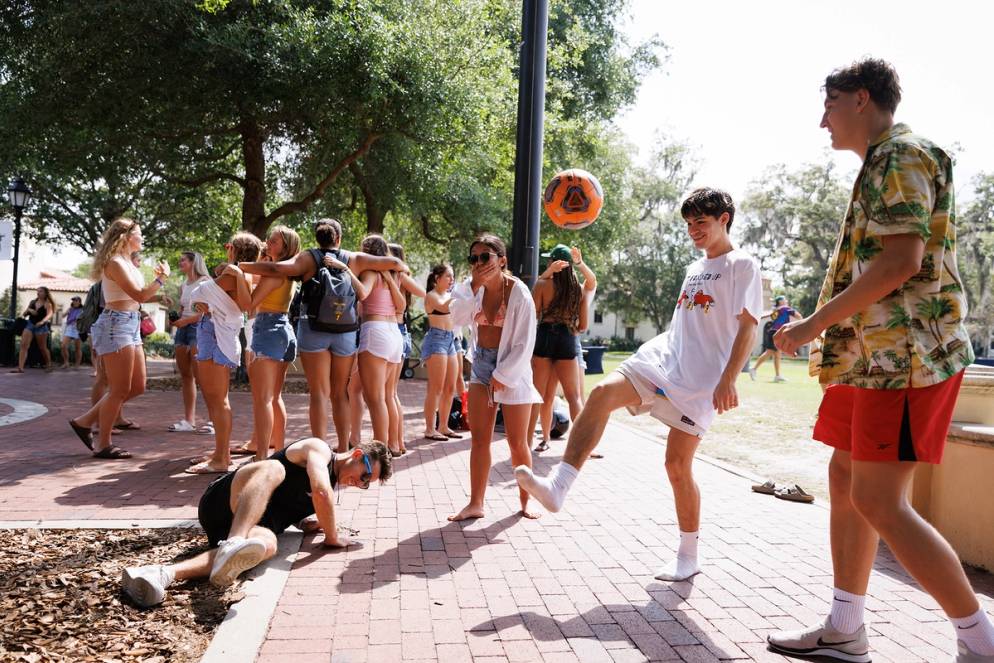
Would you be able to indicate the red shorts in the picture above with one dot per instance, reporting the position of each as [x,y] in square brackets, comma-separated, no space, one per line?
[888,424]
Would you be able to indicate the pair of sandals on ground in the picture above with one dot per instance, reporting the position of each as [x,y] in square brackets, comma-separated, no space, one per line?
[790,493]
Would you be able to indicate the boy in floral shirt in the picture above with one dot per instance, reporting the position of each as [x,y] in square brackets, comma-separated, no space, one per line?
[892,357]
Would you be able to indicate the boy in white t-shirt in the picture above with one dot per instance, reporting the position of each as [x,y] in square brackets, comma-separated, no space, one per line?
[681,377]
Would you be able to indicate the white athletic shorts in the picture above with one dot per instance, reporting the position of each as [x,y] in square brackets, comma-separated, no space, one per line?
[382,339]
[657,405]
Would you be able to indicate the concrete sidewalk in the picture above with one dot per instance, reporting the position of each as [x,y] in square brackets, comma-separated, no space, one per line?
[573,586]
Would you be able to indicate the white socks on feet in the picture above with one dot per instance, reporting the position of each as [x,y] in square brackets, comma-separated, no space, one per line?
[549,491]
[976,632]
[847,611]
[686,564]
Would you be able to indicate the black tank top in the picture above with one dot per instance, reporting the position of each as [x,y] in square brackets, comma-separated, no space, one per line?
[291,501]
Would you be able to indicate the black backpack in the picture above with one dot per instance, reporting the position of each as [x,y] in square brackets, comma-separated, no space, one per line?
[328,298]
[92,308]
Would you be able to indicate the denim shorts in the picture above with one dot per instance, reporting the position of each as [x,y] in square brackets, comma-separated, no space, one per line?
[70,331]
[579,355]
[345,344]
[38,329]
[186,336]
[484,363]
[408,343]
[114,330]
[273,337]
[207,348]
[438,342]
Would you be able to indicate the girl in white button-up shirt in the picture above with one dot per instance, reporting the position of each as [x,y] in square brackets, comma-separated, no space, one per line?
[500,311]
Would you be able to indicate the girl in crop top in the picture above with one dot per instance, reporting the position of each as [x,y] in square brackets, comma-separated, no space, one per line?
[217,335]
[274,346]
[502,315]
[115,335]
[380,342]
[409,288]
[438,352]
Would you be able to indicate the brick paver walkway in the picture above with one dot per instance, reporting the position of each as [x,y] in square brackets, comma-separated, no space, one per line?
[573,586]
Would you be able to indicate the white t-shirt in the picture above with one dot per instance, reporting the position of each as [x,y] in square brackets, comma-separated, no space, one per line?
[185,290]
[687,360]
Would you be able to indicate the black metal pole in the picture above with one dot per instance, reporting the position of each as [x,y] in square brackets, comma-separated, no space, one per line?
[528,155]
[17,246]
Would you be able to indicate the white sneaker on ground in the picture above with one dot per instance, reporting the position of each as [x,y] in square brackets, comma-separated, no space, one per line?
[822,640]
[146,585]
[779,378]
[964,655]
[235,556]
[752,373]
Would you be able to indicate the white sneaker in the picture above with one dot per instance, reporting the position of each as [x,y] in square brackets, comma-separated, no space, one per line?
[235,556]
[965,655]
[822,640]
[146,585]
[779,378]
[182,426]
[752,373]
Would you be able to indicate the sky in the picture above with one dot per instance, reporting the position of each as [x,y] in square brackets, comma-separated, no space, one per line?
[742,83]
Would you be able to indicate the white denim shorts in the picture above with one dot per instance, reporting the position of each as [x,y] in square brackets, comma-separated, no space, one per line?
[383,340]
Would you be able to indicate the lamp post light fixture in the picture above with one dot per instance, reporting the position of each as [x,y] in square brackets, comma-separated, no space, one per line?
[19,195]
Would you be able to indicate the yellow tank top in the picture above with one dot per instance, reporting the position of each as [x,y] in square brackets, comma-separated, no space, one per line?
[278,299]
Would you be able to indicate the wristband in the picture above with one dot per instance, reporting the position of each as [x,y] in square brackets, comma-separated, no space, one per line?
[161,283]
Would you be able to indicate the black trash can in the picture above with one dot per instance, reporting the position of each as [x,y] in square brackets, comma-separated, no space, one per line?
[8,357]
[594,356]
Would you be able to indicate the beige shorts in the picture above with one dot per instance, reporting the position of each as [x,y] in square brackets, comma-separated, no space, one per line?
[658,406]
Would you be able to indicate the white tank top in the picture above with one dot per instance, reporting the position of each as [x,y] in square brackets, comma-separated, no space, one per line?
[113,292]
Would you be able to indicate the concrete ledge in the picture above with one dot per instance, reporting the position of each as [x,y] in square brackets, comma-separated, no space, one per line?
[241,634]
[970,433]
[96,524]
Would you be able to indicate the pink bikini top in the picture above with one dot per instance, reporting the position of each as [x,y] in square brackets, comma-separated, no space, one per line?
[379,301]
[481,319]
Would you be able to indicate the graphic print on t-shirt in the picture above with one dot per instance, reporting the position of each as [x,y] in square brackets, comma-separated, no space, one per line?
[697,298]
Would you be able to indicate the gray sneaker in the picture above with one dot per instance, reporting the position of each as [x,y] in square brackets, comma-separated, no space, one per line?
[822,640]
[967,656]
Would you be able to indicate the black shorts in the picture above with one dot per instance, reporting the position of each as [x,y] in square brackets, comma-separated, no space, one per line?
[768,333]
[554,340]
[215,516]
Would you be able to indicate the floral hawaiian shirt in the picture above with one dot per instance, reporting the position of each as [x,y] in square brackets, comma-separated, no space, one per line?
[914,336]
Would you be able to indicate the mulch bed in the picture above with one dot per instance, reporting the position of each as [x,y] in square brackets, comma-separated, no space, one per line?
[60,597]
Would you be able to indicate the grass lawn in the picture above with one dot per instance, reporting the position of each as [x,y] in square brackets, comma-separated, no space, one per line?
[769,434]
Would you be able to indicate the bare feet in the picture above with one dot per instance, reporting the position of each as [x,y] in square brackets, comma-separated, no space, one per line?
[529,514]
[469,512]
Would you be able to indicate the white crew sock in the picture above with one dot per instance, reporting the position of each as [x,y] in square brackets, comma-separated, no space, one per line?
[686,563]
[168,575]
[847,611]
[549,491]
[976,632]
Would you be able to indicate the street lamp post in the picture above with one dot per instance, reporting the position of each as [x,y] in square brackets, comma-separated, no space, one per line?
[19,195]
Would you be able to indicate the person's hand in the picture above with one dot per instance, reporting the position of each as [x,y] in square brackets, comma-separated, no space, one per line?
[793,335]
[485,273]
[201,307]
[337,543]
[232,269]
[332,262]
[497,384]
[389,277]
[309,524]
[577,256]
[725,397]
[162,270]
[168,301]
[558,266]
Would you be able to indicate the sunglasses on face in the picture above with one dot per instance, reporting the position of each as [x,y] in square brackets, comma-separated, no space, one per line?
[482,258]
[366,476]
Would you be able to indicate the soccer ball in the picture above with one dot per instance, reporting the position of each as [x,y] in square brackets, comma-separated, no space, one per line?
[573,199]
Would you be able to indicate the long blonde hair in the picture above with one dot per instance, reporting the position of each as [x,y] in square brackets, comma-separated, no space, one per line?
[291,242]
[113,242]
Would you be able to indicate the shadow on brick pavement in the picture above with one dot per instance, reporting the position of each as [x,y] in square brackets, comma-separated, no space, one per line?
[572,586]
